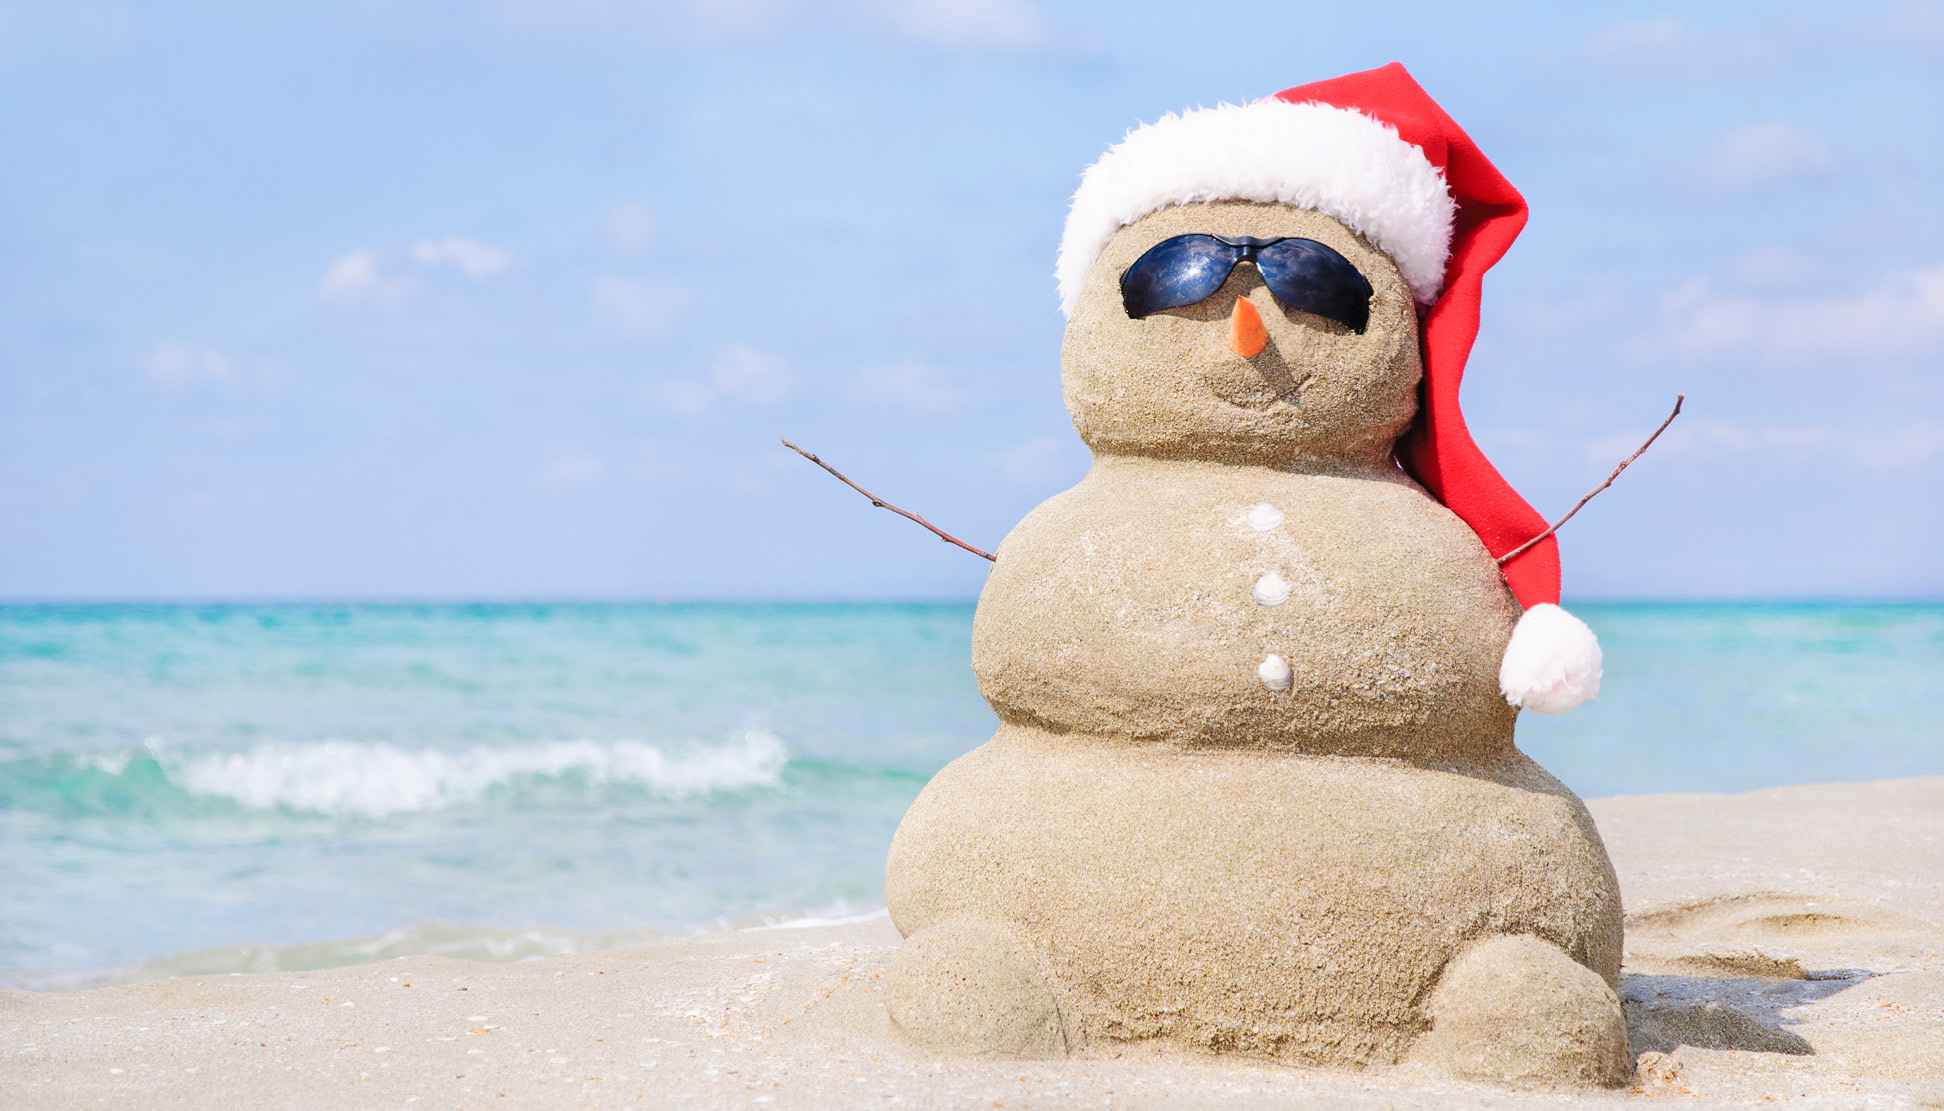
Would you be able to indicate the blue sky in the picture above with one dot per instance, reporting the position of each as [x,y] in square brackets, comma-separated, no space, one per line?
[513,299]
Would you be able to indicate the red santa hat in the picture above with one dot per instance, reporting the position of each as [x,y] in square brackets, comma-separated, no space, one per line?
[1374,151]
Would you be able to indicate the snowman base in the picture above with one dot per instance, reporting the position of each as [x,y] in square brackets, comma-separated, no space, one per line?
[1064,895]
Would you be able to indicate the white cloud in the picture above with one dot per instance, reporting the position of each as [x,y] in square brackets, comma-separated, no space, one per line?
[643,308]
[1902,314]
[358,276]
[574,469]
[1759,153]
[630,227]
[910,387]
[970,22]
[350,274]
[186,364]
[739,375]
[1891,447]
[470,257]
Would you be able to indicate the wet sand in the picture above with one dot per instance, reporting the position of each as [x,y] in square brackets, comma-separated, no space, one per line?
[1784,945]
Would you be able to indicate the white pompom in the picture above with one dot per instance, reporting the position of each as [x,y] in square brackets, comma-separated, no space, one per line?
[1553,663]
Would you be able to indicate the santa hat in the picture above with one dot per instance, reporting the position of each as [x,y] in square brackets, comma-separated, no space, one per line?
[1374,151]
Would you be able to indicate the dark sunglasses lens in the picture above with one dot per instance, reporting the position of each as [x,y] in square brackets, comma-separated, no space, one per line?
[1307,276]
[1176,272]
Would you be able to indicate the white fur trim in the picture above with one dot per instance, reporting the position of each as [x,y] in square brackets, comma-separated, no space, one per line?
[1553,663]
[1337,161]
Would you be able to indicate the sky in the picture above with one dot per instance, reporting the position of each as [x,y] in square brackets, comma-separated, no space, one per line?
[513,299]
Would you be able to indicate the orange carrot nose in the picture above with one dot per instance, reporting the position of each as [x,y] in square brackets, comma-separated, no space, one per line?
[1246,334]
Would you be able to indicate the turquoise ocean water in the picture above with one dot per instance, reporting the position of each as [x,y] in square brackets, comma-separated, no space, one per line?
[235,787]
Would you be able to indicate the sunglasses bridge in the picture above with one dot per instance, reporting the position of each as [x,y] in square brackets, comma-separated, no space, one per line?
[1249,245]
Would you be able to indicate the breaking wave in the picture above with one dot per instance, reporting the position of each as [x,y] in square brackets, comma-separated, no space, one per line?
[378,779]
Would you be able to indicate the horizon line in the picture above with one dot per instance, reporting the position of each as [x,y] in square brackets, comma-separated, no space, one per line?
[830,600]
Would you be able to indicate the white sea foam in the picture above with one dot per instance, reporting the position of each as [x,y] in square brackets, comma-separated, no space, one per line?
[840,914]
[374,780]
[107,763]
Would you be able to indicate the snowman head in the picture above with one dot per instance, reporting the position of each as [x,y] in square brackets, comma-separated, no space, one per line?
[1306,350]
[1379,177]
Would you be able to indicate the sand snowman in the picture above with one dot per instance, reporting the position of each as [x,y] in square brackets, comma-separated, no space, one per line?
[1254,788]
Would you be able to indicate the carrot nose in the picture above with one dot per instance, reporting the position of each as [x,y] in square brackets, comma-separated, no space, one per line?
[1246,334]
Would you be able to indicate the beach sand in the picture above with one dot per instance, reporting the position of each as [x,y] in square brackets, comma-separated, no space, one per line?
[1781,945]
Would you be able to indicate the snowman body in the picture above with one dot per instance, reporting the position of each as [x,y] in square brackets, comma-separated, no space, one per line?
[1254,787]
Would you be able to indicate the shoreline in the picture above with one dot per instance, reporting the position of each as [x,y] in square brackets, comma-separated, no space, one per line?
[1786,943]
[491,944]
[486,945]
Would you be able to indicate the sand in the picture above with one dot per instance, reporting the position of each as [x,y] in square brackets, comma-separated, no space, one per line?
[1785,945]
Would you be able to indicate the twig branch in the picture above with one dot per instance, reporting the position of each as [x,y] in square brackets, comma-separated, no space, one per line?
[1504,559]
[882,504]
[1590,494]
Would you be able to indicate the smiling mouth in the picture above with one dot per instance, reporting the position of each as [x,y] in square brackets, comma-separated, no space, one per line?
[1255,384]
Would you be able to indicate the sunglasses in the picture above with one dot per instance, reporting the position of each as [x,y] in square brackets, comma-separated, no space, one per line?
[1302,274]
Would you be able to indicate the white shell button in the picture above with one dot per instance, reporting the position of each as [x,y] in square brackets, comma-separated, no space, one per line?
[1274,673]
[1271,590]
[1264,517]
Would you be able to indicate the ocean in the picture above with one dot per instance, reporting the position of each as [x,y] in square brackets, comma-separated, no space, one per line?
[214,788]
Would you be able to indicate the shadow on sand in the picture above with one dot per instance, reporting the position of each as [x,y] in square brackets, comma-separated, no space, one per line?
[1725,1012]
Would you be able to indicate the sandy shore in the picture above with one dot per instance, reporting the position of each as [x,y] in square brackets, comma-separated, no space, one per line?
[1781,945]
